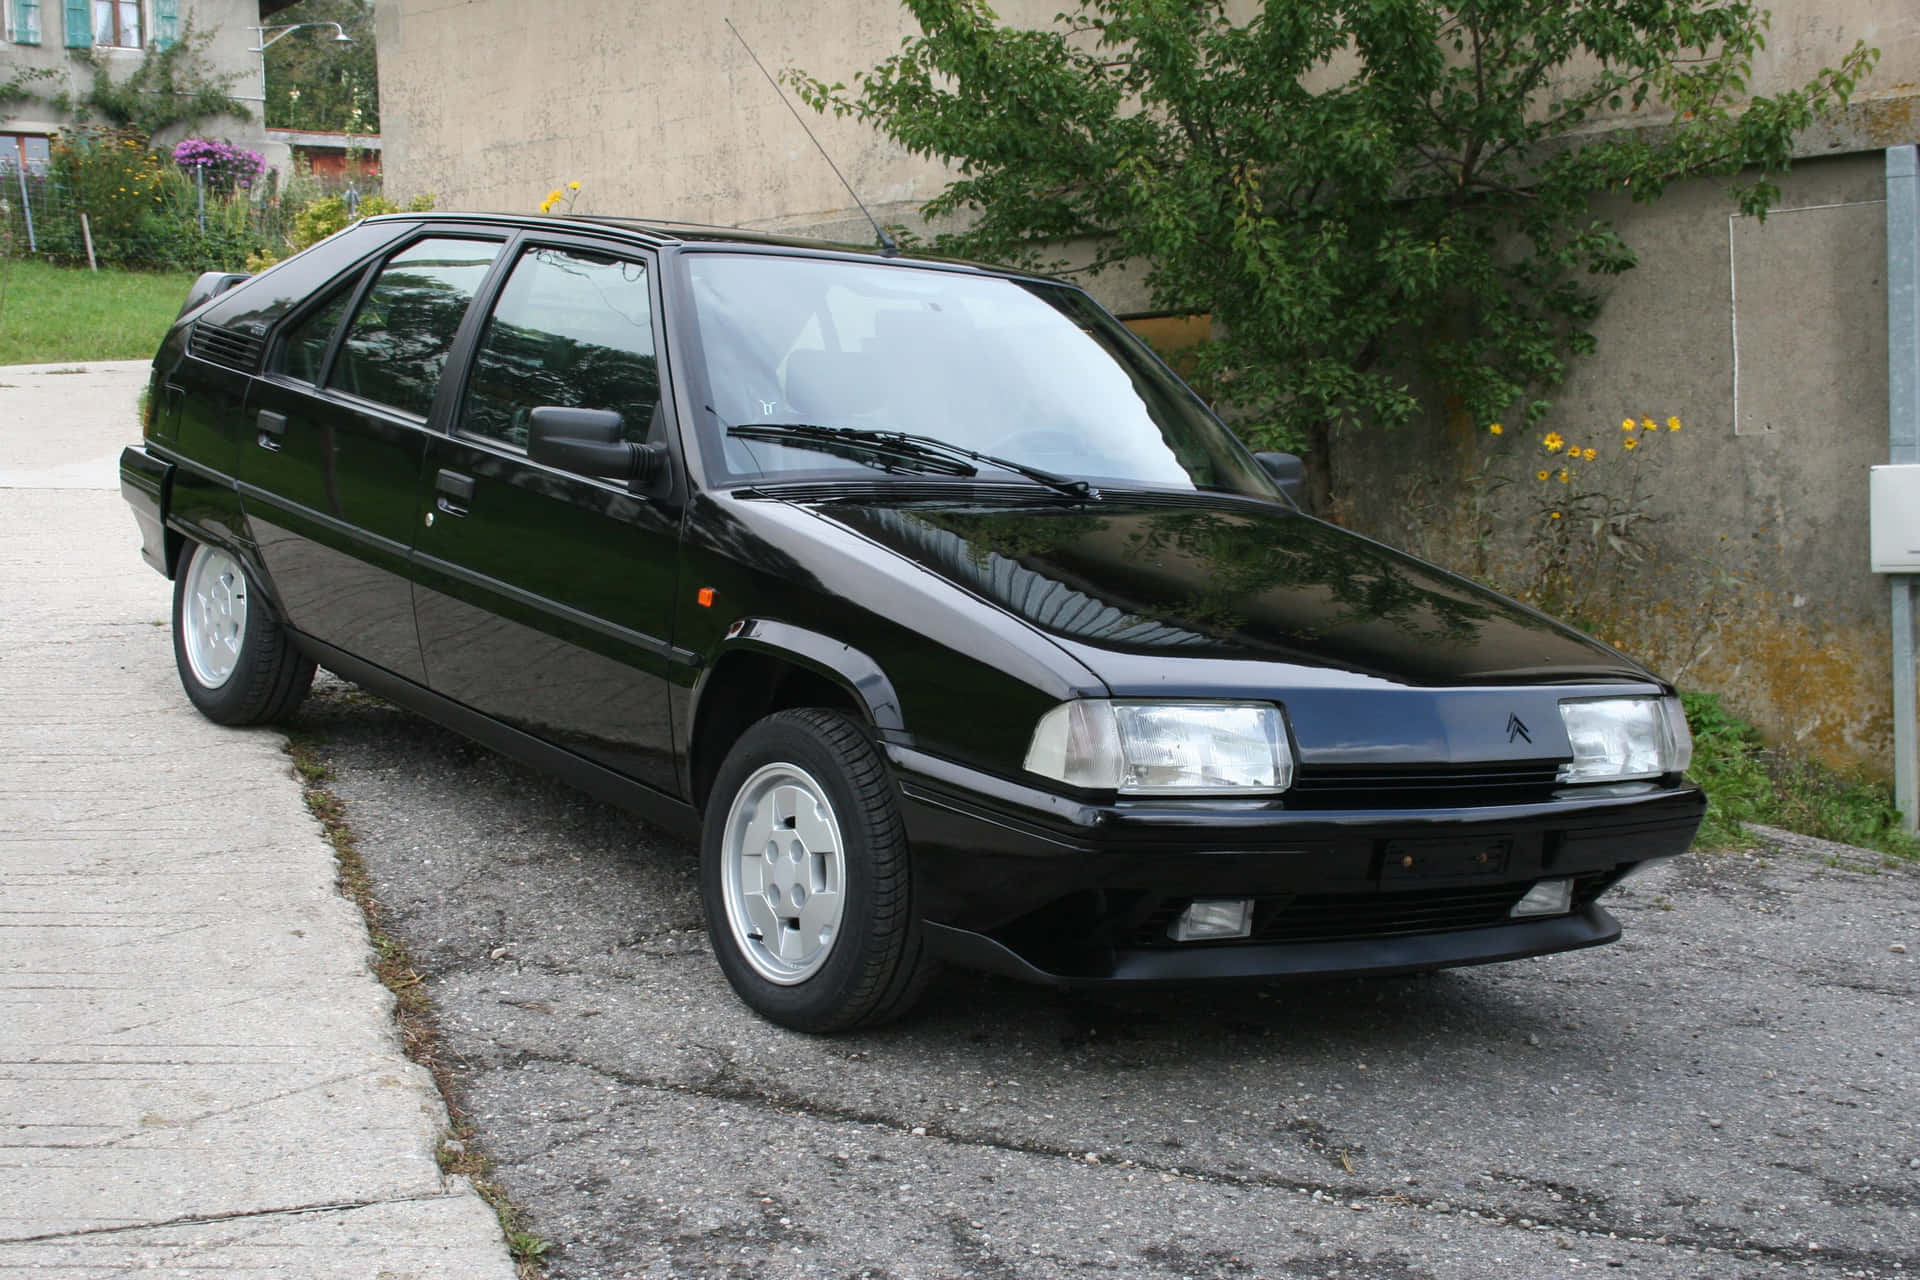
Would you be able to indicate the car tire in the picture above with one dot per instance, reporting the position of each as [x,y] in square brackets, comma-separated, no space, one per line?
[236,662]
[806,877]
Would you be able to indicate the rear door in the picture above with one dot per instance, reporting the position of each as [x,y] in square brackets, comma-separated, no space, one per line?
[336,436]
[544,597]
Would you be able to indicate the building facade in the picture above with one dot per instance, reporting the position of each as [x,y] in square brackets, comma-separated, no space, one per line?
[54,48]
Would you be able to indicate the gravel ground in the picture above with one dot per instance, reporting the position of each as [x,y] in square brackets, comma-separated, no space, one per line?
[1730,1091]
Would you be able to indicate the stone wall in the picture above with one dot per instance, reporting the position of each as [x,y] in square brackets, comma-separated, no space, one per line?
[1767,339]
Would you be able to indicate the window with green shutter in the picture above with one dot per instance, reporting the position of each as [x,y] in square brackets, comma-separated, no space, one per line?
[166,23]
[24,28]
[79,24]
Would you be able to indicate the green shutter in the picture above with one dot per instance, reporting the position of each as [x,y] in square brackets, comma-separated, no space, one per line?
[166,23]
[26,22]
[79,24]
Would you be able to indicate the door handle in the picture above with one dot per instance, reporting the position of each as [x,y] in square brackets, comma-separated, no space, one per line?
[273,426]
[452,492]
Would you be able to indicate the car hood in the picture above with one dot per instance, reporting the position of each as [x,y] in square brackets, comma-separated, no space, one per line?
[1234,581]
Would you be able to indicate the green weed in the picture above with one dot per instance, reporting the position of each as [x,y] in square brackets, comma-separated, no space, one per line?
[1747,782]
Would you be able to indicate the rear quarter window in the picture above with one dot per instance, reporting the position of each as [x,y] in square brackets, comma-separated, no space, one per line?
[260,303]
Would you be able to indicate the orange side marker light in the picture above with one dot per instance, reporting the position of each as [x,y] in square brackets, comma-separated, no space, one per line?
[704,597]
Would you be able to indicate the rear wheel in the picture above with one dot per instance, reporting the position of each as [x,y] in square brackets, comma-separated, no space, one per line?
[806,877]
[235,660]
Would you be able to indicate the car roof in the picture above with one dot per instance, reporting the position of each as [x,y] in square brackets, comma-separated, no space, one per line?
[663,233]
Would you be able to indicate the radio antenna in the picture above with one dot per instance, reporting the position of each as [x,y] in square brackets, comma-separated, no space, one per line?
[887,246]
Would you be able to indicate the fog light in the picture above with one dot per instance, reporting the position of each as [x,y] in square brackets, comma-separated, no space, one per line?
[1547,898]
[1213,918]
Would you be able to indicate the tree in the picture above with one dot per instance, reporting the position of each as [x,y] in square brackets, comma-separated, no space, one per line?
[1367,195]
[314,81]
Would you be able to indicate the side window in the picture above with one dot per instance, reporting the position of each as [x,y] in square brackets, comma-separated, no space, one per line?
[304,353]
[398,341]
[573,329]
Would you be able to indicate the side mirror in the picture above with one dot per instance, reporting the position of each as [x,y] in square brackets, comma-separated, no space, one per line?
[1289,473]
[210,284]
[588,442]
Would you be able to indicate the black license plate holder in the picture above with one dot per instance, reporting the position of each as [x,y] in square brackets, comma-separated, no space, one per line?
[1474,859]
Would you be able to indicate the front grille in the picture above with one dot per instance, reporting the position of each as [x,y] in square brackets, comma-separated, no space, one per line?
[227,347]
[1369,787]
[1342,917]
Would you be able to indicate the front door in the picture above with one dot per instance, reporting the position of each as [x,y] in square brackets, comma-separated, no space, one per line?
[544,597]
[335,437]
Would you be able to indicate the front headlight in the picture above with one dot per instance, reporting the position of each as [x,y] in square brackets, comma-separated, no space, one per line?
[1616,739]
[1164,748]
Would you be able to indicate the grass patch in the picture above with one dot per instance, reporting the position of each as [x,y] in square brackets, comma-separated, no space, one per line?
[1745,781]
[413,1011]
[50,314]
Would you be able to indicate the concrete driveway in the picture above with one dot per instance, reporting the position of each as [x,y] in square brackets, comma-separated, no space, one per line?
[198,1073]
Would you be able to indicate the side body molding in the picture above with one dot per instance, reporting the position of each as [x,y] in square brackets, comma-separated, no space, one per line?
[834,659]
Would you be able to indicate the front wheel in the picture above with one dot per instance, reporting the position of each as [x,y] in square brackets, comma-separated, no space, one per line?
[235,660]
[806,877]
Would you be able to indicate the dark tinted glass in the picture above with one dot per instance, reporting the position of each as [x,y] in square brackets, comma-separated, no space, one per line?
[570,329]
[260,302]
[399,338]
[305,352]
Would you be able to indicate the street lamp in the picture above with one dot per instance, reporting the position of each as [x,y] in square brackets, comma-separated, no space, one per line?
[268,35]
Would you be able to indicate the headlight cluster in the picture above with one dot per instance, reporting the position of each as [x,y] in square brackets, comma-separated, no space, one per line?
[1241,748]
[1618,739]
[1164,748]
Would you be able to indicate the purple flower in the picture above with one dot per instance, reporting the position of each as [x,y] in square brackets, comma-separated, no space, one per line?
[222,166]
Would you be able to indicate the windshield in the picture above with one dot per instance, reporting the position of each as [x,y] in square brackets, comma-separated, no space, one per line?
[1032,373]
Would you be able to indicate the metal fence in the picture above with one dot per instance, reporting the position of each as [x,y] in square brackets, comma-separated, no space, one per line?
[187,227]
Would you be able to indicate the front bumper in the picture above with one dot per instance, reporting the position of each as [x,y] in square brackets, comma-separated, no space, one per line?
[1037,886]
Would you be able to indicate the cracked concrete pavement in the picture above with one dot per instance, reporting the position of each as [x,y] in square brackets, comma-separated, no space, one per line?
[198,1072]
[1728,1092]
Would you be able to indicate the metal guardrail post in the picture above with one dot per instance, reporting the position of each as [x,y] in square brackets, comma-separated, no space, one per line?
[1903,445]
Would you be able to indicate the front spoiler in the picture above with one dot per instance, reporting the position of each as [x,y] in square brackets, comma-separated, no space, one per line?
[1243,962]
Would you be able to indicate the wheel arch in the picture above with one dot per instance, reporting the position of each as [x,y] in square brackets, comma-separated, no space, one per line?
[765,667]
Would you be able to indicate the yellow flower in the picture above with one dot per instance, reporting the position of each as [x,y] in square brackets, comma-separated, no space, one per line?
[573,186]
[1564,475]
[1646,424]
[1495,428]
[1632,445]
[1626,424]
[1539,475]
[1590,454]
[1554,442]
[1673,424]
[1553,515]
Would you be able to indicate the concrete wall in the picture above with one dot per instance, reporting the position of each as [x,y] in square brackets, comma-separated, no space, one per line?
[655,109]
[229,51]
[1757,583]
[1768,341]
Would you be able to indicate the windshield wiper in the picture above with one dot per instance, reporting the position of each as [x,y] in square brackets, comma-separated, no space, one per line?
[851,442]
[928,452]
